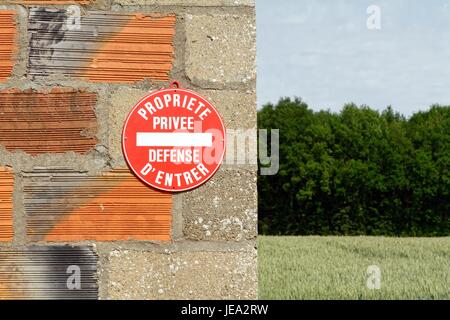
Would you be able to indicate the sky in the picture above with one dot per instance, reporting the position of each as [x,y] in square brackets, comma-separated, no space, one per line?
[324,52]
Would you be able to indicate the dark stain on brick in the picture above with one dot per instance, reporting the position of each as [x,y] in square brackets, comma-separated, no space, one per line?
[107,46]
[50,272]
[50,33]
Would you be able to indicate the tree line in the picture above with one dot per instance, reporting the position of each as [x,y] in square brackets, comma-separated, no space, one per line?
[356,172]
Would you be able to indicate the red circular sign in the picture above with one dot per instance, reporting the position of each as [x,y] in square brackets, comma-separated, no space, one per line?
[174,139]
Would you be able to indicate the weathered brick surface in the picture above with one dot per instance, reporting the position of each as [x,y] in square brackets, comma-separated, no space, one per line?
[223,208]
[182,275]
[6,204]
[8,43]
[62,205]
[44,273]
[116,47]
[200,3]
[220,49]
[57,121]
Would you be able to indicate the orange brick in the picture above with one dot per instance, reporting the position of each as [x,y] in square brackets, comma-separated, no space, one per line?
[6,205]
[117,47]
[58,121]
[8,46]
[73,206]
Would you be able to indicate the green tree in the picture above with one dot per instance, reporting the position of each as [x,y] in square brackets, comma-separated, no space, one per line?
[356,172]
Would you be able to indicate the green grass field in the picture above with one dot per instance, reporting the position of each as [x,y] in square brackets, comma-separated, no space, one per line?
[336,267]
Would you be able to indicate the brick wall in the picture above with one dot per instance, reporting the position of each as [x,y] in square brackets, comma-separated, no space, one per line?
[68,204]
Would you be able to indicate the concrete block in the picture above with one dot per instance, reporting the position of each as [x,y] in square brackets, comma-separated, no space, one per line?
[225,208]
[238,109]
[220,50]
[134,274]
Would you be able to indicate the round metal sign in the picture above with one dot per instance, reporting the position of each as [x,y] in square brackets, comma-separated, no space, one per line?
[174,139]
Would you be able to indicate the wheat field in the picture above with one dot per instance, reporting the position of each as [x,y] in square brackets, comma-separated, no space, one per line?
[316,267]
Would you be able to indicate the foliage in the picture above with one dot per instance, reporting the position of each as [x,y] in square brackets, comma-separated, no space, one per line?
[359,172]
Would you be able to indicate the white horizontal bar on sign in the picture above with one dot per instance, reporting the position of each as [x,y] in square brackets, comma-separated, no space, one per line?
[173,139]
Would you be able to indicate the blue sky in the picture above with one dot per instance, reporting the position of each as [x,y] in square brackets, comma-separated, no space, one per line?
[323,52]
